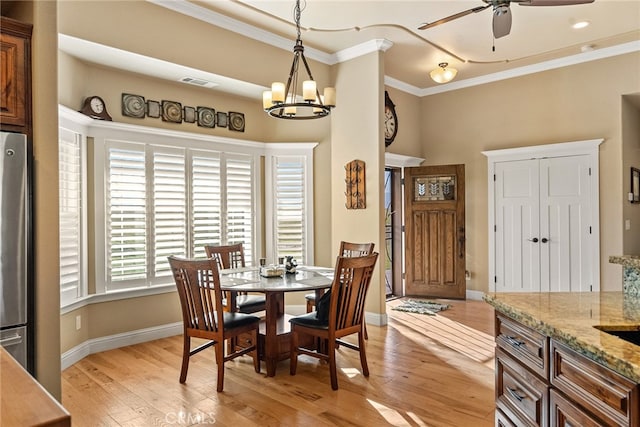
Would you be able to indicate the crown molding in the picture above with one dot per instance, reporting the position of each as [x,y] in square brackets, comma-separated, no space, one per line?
[362,49]
[222,21]
[580,58]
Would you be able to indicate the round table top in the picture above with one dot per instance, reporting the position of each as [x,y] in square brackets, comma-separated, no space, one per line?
[248,279]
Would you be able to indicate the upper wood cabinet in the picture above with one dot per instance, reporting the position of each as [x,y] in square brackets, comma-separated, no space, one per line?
[15,75]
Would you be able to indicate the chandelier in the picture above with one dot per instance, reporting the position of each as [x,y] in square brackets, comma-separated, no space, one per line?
[282,102]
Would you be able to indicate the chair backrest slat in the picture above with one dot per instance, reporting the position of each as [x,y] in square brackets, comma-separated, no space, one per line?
[350,249]
[198,284]
[227,256]
[349,290]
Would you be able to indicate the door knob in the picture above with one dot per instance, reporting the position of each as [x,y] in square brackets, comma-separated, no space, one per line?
[545,240]
[534,240]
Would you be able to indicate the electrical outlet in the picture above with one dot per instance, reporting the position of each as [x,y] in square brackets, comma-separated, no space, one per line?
[78,322]
[627,224]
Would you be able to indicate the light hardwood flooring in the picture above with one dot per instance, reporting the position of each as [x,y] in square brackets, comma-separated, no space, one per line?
[424,371]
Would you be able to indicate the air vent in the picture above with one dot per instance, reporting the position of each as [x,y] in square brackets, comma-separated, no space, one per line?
[197,82]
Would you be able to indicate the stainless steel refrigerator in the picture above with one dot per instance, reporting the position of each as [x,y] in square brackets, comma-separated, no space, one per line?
[15,248]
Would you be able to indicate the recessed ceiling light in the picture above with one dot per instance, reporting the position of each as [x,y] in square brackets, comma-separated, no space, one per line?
[580,24]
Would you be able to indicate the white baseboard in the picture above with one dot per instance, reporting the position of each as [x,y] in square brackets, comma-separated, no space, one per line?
[110,342]
[475,295]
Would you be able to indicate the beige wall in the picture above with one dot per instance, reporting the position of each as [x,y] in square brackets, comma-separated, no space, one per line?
[356,133]
[630,158]
[45,186]
[574,103]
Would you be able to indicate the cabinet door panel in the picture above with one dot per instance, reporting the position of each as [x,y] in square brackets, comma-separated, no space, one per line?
[12,80]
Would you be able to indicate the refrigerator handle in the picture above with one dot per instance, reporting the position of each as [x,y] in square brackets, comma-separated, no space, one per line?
[11,340]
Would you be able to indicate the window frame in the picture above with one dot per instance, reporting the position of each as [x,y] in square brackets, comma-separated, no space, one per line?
[96,132]
[78,126]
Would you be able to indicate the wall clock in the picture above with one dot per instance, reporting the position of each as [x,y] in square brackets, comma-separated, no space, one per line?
[95,108]
[390,120]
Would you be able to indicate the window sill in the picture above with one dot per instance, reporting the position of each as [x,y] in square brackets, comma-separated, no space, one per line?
[116,295]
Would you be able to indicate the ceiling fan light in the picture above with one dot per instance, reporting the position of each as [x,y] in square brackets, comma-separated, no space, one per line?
[443,74]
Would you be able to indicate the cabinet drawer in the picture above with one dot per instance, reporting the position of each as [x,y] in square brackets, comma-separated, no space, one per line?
[609,396]
[502,420]
[520,394]
[564,413]
[523,343]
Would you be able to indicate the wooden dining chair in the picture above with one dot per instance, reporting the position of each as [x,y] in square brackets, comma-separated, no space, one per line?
[198,283]
[347,249]
[351,282]
[232,256]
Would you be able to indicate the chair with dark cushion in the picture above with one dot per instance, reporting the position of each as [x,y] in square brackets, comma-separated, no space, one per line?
[347,249]
[198,283]
[348,292]
[232,256]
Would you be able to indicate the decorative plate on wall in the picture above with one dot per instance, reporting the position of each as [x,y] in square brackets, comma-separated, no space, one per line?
[153,109]
[236,121]
[171,112]
[133,106]
[189,114]
[221,119]
[206,117]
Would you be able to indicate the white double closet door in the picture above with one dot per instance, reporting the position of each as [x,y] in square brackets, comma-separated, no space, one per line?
[543,225]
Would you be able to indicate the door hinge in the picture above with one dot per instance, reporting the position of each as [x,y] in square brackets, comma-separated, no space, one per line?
[403,228]
[401,181]
[495,279]
[589,171]
[404,276]
[589,229]
[590,288]
[495,228]
[494,176]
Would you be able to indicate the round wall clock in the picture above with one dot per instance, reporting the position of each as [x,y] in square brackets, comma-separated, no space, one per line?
[95,108]
[390,120]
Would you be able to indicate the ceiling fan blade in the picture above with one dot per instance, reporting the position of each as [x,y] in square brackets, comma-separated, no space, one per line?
[501,21]
[551,2]
[452,17]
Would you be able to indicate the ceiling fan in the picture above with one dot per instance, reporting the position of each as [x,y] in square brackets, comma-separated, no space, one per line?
[502,13]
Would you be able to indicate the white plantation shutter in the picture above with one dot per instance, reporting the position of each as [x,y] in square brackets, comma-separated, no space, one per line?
[164,200]
[169,208]
[126,214]
[206,206]
[239,180]
[71,215]
[289,206]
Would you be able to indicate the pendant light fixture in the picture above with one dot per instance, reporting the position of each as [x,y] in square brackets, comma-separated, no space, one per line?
[442,74]
[282,102]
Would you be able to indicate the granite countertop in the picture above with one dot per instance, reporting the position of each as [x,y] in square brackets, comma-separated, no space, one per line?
[632,261]
[570,318]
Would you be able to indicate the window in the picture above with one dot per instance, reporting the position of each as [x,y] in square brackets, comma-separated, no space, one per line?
[158,192]
[72,219]
[165,201]
[290,207]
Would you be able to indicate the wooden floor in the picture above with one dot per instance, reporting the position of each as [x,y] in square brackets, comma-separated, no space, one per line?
[424,371]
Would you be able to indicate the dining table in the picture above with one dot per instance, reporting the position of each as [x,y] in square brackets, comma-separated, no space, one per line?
[274,339]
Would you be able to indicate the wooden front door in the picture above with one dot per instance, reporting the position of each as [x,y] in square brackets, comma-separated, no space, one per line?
[434,231]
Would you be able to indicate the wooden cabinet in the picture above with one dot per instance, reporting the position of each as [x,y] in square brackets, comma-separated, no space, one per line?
[542,382]
[612,398]
[15,76]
